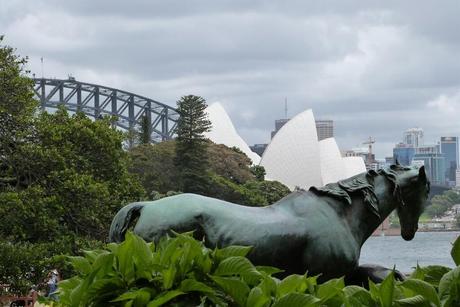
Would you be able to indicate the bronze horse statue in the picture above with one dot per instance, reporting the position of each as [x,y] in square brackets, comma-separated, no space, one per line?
[320,231]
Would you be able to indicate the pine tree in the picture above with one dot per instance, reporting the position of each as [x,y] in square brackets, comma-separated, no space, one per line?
[191,145]
[144,131]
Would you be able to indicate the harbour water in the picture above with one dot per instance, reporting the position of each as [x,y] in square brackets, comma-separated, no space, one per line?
[426,248]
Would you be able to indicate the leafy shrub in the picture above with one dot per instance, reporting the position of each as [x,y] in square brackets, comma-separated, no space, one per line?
[24,264]
[181,271]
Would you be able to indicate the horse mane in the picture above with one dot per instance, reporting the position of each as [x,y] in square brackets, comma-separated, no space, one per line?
[362,184]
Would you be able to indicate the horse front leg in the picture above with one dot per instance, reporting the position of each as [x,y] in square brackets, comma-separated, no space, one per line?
[363,273]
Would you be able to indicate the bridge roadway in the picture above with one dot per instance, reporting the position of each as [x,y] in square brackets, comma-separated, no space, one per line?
[97,100]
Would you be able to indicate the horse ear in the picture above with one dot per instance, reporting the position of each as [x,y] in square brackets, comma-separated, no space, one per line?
[421,173]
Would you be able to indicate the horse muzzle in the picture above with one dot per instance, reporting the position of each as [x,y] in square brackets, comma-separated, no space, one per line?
[408,234]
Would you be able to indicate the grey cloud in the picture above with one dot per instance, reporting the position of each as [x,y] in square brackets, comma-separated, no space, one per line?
[363,64]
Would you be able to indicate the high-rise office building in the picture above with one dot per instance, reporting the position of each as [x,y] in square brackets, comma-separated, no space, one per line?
[449,148]
[403,153]
[259,148]
[413,137]
[457,178]
[434,162]
[324,128]
[278,124]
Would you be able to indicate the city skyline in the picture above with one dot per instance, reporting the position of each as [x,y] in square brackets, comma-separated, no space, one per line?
[375,69]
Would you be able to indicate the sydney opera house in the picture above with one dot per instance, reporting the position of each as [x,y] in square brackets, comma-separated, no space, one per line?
[294,156]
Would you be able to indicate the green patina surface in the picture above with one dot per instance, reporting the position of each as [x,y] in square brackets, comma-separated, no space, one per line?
[321,230]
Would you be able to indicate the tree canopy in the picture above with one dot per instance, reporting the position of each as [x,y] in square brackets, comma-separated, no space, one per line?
[230,174]
[17,108]
[62,178]
[191,157]
[75,176]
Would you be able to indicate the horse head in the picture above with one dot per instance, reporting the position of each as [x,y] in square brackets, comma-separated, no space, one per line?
[412,189]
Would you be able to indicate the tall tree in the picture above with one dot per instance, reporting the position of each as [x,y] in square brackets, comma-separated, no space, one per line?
[17,107]
[191,145]
[144,131]
[77,178]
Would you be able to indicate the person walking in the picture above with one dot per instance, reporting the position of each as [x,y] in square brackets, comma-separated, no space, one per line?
[53,279]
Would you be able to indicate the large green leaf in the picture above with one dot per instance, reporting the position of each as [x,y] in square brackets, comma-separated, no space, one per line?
[235,288]
[417,300]
[164,298]
[104,263]
[449,288]
[374,291]
[312,284]
[431,274]
[169,251]
[66,287]
[257,298]
[297,300]
[169,276]
[386,290]
[268,269]
[79,295]
[81,265]
[330,289]
[420,287]
[124,256]
[104,290]
[189,285]
[418,273]
[235,265]
[231,251]
[268,285]
[142,257]
[358,296]
[139,297]
[455,252]
[92,255]
[292,283]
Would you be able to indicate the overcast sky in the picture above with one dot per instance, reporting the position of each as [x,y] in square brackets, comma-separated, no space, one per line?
[375,67]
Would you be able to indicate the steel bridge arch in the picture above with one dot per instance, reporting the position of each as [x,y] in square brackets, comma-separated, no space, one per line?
[97,100]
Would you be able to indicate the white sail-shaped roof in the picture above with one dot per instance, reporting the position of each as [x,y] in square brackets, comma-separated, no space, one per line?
[332,163]
[223,131]
[354,166]
[292,157]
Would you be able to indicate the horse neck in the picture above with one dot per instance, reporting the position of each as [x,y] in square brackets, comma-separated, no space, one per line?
[363,222]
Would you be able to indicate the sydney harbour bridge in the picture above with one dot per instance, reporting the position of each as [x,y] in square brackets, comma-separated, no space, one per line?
[97,101]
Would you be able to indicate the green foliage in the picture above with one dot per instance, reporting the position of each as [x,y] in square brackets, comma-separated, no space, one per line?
[259,172]
[230,163]
[455,252]
[74,176]
[226,189]
[270,191]
[154,165]
[145,131]
[231,177]
[17,107]
[439,204]
[191,157]
[62,178]
[26,264]
[180,271]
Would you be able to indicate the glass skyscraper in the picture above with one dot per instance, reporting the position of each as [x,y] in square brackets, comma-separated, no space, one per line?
[434,162]
[403,153]
[449,148]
